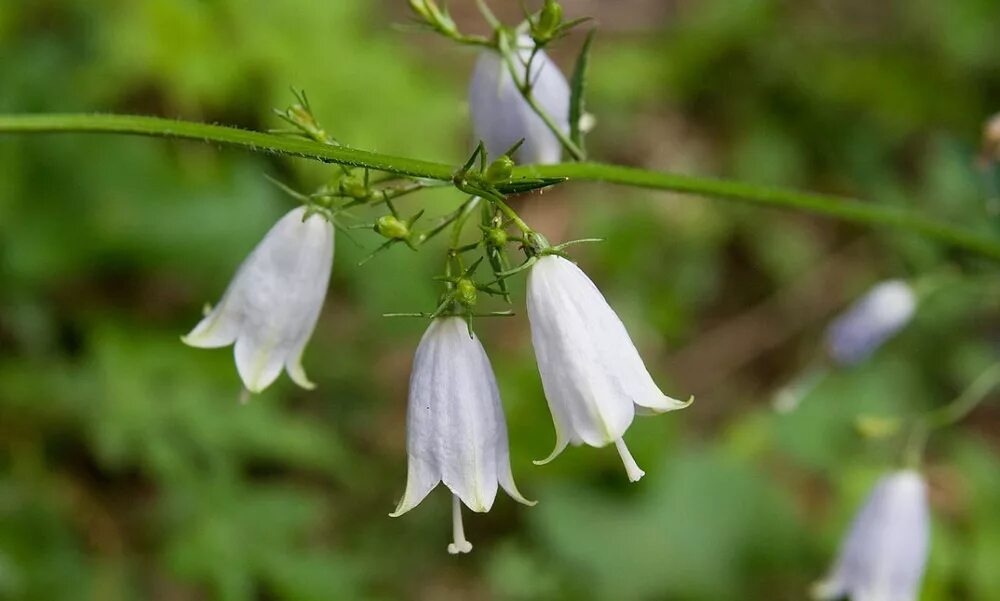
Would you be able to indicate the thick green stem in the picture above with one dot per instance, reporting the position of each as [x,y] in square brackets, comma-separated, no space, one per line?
[831,206]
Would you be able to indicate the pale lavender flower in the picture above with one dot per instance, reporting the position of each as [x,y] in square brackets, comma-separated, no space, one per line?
[500,114]
[884,554]
[271,306]
[594,380]
[455,427]
[870,322]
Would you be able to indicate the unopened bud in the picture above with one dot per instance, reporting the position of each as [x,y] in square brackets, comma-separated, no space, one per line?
[465,292]
[875,426]
[391,227]
[500,170]
[549,20]
[353,187]
[496,237]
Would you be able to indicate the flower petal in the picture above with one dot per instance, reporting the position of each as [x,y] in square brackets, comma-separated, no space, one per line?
[589,400]
[884,554]
[217,329]
[467,399]
[258,362]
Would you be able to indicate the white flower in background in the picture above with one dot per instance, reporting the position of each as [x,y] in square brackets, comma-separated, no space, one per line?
[501,116]
[270,308]
[594,380]
[871,321]
[884,554]
[455,427]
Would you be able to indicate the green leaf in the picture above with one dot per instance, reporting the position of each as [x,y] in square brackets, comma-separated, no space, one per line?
[578,83]
[520,186]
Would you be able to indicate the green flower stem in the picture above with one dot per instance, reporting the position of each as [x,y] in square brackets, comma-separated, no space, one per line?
[841,208]
[948,415]
[969,399]
[525,88]
[514,217]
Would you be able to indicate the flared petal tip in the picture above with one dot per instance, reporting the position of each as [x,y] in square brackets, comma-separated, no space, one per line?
[515,494]
[256,386]
[560,447]
[825,590]
[403,507]
[663,404]
[459,547]
[298,375]
[196,340]
[673,404]
[555,453]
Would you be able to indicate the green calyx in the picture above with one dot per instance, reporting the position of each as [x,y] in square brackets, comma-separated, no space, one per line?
[354,187]
[392,227]
[466,292]
[549,20]
[495,237]
[499,170]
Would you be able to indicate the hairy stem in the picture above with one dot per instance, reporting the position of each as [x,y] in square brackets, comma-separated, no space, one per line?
[525,87]
[831,206]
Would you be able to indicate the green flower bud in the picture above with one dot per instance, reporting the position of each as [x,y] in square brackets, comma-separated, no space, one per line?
[391,227]
[500,170]
[549,20]
[353,187]
[496,237]
[875,426]
[465,292]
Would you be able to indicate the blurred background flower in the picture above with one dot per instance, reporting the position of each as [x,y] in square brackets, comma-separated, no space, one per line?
[129,471]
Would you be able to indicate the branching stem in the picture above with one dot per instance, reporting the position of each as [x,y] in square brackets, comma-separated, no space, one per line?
[831,206]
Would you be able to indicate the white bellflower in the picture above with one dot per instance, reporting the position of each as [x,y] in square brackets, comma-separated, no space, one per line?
[871,321]
[884,554]
[271,306]
[500,114]
[594,380]
[455,427]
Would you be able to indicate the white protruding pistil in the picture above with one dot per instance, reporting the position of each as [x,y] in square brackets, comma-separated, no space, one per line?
[461,545]
[632,468]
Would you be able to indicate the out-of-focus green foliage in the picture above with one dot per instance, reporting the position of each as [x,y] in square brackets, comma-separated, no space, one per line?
[128,470]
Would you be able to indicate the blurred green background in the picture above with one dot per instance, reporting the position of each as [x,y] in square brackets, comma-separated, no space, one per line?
[128,470]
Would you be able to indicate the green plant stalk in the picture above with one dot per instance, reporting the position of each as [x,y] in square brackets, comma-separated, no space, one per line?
[948,415]
[508,57]
[831,206]
[967,401]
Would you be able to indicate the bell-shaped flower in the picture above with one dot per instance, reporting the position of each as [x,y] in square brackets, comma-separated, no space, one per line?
[455,427]
[500,114]
[870,322]
[270,308]
[883,556]
[594,380]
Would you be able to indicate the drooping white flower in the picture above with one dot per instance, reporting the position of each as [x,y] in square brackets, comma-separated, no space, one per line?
[455,427]
[871,321]
[271,306]
[594,380]
[883,556]
[500,114]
